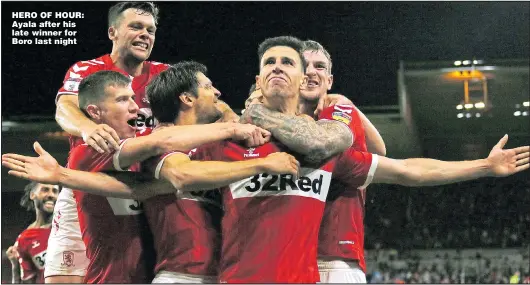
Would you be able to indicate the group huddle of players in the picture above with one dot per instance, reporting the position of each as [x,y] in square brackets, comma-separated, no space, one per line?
[166,184]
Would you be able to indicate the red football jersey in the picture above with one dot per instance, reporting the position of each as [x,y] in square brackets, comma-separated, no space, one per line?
[186,228]
[114,230]
[342,229]
[82,69]
[271,223]
[31,245]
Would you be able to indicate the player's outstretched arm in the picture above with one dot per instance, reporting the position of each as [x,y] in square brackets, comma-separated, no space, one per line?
[429,172]
[185,138]
[188,175]
[45,169]
[72,120]
[316,141]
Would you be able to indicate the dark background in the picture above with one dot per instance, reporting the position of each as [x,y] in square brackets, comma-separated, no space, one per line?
[365,39]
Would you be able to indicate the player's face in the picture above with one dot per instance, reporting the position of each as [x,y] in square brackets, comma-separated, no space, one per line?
[135,34]
[44,197]
[119,110]
[280,73]
[319,79]
[207,98]
[254,95]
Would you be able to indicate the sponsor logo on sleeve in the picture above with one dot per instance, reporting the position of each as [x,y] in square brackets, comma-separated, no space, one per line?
[341,117]
[72,84]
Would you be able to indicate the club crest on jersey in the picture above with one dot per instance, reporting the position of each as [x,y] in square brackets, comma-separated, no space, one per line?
[68,259]
[72,84]
[341,117]
[313,183]
[250,153]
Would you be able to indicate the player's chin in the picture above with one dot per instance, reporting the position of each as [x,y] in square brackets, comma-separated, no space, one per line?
[310,95]
[141,55]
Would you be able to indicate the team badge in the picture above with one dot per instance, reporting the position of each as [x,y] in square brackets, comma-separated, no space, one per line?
[68,259]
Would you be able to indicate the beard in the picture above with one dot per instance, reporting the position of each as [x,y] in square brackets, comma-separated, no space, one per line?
[207,117]
[40,205]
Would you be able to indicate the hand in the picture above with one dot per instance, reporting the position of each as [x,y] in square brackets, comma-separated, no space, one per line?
[12,254]
[252,135]
[101,137]
[331,99]
[504,162]
[281,163]
[42,169]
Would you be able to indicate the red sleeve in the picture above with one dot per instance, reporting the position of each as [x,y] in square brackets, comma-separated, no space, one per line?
[84,157]
[356,168]
[27,268]
[76,73]
[154,164]
[341,113]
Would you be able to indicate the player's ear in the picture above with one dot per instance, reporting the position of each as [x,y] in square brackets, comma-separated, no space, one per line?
[258,86]
[93,111]
[112,33]
[330,81]
[187,100]
[32,195]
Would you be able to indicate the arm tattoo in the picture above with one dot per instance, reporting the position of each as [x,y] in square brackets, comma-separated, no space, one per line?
[316,141]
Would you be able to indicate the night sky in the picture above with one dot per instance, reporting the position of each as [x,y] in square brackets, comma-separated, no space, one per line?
[365,39]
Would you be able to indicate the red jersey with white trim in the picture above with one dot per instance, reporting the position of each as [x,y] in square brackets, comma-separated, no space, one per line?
[186,227]
[270,226]
[342,229]
[82,69]
[31,245]
[114,230]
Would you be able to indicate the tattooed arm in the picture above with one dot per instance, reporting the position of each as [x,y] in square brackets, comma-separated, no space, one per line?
[316,141]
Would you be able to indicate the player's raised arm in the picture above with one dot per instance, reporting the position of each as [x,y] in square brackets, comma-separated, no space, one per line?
[12,255]
[189,175]
[317,141]
[429,172]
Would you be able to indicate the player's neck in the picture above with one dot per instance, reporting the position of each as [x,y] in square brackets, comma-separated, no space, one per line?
[287,106]
[43,220]
[307,107]
[186,117]
[130,65]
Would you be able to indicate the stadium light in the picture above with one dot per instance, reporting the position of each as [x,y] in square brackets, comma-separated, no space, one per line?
[458,63]
[468,115]
[526,104]
[480,105]
[459,107]
[525,113]
[468,106]
[477,115]
[517,113]
[460,115]
[466,62]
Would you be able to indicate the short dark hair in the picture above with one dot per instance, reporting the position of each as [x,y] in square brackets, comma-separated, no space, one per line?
[115,12]
[92,87]
[310,45]
[288,41]
[164,90]
[252,89]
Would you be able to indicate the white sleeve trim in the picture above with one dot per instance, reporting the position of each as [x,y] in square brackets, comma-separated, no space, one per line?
[346,126]
[371,172]
[161,163]
[116,157]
